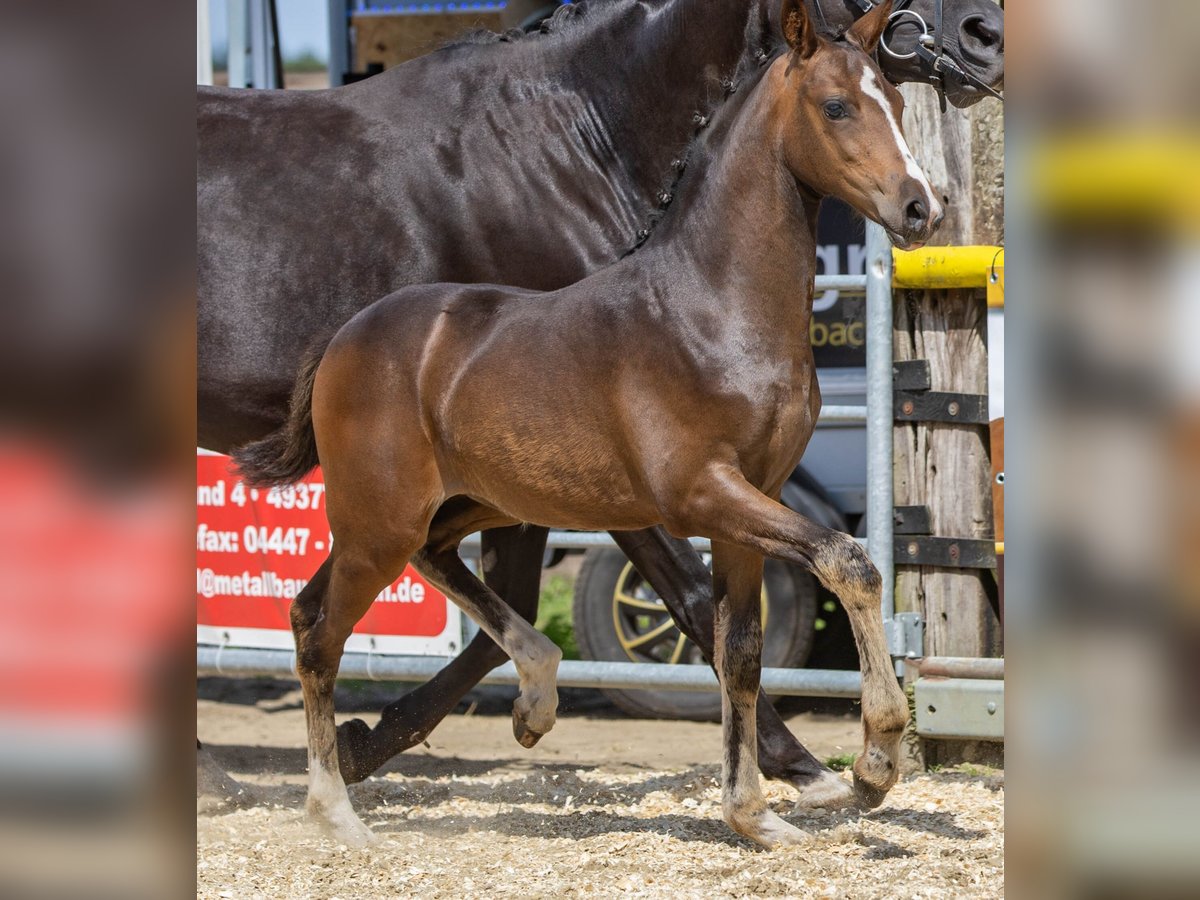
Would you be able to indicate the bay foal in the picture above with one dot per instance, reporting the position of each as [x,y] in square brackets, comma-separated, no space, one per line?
[676,387]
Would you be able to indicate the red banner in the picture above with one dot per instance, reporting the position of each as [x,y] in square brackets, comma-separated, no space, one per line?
[257,548]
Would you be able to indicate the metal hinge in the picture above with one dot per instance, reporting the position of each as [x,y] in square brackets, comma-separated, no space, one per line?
[913,400]
[911,375]
[911,520]
[961,708]
[905,635]
[941,406]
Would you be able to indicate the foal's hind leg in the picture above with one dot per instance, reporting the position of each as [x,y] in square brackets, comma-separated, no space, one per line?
[534,655]
[512,567]
[323,616]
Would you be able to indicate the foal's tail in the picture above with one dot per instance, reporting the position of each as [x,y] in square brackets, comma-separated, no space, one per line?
[289,453]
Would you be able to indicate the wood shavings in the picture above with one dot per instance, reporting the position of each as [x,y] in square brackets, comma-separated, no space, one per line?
[654,833]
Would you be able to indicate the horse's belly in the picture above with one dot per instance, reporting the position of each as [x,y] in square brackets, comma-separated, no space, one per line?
[549,484]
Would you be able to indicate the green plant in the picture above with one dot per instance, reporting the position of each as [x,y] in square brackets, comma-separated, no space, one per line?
[840,762]
[554,614]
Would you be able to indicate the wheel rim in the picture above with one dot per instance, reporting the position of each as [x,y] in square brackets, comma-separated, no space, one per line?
[644,627]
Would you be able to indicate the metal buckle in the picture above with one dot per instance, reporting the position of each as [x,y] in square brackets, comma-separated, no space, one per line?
[891,19]
[937,63]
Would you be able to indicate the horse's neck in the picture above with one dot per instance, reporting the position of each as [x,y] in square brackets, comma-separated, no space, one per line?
[741,219]
[645,70]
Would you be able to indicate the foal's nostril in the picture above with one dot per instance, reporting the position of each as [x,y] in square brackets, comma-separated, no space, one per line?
[917,214]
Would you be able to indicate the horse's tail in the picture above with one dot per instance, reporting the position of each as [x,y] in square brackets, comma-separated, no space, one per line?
[288,454]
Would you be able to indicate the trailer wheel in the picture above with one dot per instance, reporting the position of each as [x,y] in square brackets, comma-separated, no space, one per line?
[619,617]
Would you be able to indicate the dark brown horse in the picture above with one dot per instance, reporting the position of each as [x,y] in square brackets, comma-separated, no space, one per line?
[528,163]
[683,390]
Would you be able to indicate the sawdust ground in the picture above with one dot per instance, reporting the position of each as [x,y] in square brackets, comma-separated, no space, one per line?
[604,806]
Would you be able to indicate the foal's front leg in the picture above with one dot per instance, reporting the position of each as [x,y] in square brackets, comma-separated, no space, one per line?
[737,586]
[677,573]
[729,509]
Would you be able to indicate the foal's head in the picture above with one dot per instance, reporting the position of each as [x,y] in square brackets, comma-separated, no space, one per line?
[840,121]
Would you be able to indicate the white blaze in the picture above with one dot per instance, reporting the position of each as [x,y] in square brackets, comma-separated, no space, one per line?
[871,88]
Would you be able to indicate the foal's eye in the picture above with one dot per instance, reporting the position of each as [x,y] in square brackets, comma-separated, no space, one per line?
[835,109]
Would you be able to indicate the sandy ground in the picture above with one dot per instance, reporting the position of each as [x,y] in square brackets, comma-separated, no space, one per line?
[603,806]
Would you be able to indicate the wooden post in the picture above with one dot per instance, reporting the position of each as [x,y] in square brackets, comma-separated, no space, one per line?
[946,466]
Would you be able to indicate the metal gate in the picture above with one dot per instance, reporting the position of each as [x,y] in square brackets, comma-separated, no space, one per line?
[955,698]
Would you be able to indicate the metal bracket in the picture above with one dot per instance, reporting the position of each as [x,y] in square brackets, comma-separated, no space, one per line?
[911,520]
[911,375]
[950,553]
[962,708]
[913,400]
[940,406]
[905,635]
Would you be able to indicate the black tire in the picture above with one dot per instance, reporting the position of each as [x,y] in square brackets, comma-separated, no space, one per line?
[791,612]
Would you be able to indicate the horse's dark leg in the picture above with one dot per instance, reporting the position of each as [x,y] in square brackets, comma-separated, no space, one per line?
[216,788]
[512,567]
[737,585]
[676,571]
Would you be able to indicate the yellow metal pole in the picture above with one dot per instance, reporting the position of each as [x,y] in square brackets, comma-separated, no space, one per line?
[945,267]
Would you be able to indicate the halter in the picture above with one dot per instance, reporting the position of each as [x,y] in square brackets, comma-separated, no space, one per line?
[935,64]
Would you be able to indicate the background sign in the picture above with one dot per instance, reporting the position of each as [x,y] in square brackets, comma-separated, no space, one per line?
[257,548]
[837,330]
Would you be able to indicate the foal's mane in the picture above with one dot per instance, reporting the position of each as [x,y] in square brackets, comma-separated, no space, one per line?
[762,49]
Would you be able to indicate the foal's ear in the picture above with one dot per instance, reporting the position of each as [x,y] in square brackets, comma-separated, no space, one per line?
[798,29]
[867,31]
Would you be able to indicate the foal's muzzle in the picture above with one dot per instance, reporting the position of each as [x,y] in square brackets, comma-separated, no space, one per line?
[919,217]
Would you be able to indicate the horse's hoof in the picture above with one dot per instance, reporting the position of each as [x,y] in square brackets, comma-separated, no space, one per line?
[216,790]
[525,735]
[826,791]
[353,737]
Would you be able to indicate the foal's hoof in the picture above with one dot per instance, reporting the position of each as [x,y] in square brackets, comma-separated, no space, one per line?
[337,820]
[874,774]
[353,739]
[826,791]
[351,832]
[525,735]
[867,795]
[767,829]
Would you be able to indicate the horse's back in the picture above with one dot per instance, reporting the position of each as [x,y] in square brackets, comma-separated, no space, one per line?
[312,205]
[290,220]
